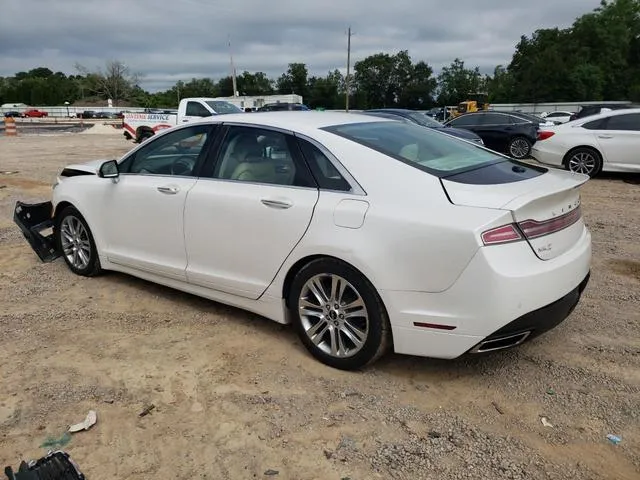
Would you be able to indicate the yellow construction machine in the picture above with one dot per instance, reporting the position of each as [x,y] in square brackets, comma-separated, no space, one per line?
[474,103]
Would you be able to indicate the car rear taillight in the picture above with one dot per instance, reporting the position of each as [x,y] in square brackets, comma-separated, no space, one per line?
[504,234]
[530,229]
[544,134]
[533,229]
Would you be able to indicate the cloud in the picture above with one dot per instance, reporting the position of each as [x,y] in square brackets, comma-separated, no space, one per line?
[180,39]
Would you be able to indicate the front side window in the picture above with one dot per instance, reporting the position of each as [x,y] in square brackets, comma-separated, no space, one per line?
[418,146]
[175,153]
[196,109]
[629,121]
[256,155]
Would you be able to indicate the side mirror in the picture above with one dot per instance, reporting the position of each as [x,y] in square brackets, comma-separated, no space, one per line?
[109,169]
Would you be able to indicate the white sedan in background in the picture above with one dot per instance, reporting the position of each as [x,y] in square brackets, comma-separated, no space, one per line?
[364,233]
[608,142]
[557,116]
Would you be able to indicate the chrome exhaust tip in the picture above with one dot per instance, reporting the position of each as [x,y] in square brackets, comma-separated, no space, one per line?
[500,343]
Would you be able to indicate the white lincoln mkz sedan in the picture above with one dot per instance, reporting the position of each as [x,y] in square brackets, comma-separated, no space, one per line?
[364,233]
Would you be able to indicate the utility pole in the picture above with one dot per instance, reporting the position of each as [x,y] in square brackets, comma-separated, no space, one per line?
[233,70]
[347,81]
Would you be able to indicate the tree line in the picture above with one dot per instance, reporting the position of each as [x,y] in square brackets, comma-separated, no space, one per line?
[596,58]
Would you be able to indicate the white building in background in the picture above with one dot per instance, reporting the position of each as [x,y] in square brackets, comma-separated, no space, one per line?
[255,102]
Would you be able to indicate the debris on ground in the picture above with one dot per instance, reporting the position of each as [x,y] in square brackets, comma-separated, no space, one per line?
[614,439]
[89,421]
[271,472]
[545,421]
[53,442]
[147,410]
[498,408]
[551,391]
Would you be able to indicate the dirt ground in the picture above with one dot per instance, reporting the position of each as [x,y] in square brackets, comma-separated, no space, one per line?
[236,396]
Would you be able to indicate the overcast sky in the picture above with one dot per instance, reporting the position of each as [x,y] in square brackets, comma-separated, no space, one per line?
[170,40]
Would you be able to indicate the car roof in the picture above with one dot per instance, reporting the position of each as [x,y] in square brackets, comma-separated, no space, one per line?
[612,113]
[295,120]
[392,110]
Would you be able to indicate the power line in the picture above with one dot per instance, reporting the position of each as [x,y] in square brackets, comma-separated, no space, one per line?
[347,82]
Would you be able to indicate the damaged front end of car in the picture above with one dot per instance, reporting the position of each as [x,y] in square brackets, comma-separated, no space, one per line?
[36,223]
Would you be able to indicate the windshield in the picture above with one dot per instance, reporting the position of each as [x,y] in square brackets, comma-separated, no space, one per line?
[221,107]
[424,120]
[421,147]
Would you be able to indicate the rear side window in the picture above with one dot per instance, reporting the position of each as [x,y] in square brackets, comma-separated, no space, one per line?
[420,147]
[324,171]
[494,119]
[465,121]
[595,124]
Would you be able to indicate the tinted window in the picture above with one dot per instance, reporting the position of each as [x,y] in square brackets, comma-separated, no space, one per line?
[494,119]
[175,153]
[595,124]
[196,109]
[418,146]
[520,117]
[261,156]
[221,107]
[557,114]
[324,171]
[465,121]
[630,121]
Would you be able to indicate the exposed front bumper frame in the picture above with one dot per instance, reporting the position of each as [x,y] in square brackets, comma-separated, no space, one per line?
[33,219]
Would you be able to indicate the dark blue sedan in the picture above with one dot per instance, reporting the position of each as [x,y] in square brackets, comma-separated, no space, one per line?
[425,121]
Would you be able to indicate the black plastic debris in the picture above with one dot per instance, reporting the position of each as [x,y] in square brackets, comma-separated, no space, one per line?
[53,466]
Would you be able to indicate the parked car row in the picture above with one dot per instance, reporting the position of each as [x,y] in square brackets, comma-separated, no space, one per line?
[31,113]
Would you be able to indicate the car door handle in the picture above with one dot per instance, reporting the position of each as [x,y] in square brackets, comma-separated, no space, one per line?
[605,136]
[169,190]
[185,120]
[281,204]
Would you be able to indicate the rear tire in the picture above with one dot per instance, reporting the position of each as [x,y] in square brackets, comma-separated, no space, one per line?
[519,148]
[584,160]
[75,242]
[338,315]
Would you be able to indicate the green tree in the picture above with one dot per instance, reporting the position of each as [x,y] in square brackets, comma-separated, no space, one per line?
[294,80]
[456,83]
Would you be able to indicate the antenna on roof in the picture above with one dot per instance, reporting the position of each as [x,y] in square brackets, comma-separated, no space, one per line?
[233,70]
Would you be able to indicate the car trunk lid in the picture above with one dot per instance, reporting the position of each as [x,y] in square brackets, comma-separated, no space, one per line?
[545,208]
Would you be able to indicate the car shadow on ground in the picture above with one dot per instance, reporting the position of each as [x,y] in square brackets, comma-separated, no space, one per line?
[283,336]
[630,178]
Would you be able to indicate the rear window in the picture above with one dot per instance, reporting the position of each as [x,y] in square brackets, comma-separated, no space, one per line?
[433,152]
[222,107]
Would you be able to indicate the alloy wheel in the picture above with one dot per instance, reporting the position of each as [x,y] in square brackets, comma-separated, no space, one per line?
[75,242]
[519,148]
[583,162]
[333,315]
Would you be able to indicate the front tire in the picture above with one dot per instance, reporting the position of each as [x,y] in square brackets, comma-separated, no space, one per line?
[338,315]
[519,148]
[76,243]
[584,160]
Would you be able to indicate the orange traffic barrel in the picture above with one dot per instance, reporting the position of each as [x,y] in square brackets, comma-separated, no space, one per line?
[10,127]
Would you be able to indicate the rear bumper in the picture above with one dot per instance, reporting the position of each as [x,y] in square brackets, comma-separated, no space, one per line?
[547,157]
[533,324]
[33,219]
[504,290]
